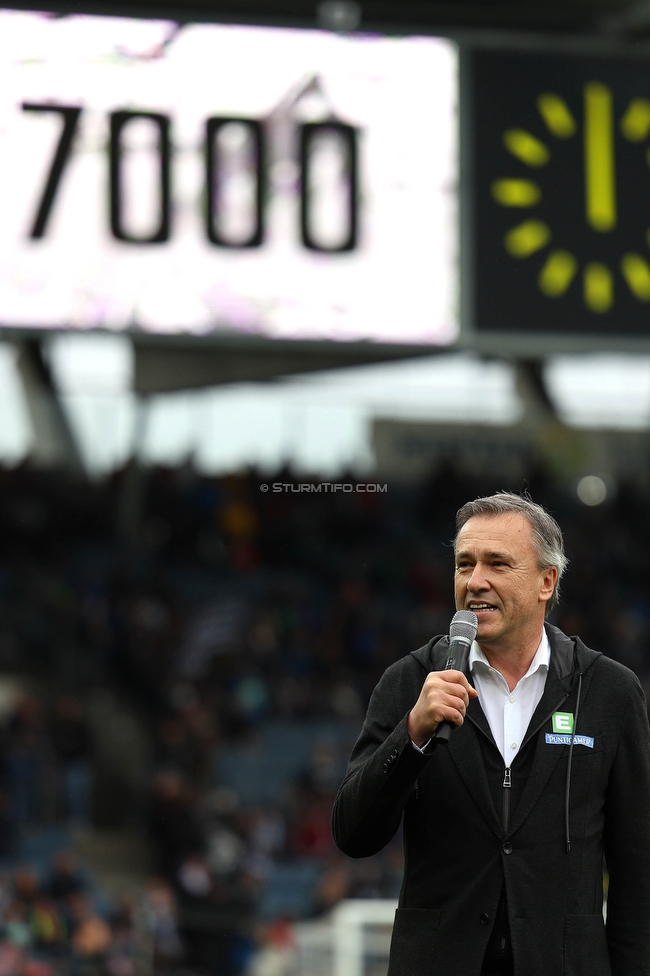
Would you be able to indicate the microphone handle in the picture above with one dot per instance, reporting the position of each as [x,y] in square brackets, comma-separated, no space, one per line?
[456,661]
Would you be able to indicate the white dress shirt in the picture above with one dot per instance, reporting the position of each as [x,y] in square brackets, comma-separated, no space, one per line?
[509,712]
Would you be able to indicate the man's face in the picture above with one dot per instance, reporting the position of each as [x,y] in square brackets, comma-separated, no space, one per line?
[499,579]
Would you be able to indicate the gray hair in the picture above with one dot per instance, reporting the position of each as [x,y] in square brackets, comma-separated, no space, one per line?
[547,534]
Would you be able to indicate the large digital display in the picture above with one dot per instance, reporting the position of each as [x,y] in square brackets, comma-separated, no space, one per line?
[211,179]
[559,248]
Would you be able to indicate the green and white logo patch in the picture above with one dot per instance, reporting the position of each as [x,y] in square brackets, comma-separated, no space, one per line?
[563,722]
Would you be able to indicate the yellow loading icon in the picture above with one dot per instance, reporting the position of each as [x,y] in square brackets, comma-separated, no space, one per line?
[600,204]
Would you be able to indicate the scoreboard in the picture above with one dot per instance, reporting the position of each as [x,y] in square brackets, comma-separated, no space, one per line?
[230,181]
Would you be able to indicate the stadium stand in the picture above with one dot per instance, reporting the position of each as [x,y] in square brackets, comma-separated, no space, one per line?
[191,659]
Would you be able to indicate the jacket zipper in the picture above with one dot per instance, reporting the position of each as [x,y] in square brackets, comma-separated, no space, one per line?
[505,824]
[507,784]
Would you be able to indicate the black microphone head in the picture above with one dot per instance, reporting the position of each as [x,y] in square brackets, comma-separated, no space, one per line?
[464,625]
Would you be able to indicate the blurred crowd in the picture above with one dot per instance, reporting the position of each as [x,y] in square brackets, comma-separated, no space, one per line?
[54,922]
[244,631]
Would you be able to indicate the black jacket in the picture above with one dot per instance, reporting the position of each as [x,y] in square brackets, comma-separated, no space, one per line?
[465,835]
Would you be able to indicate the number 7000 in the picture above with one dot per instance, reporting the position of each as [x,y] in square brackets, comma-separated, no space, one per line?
[310,135]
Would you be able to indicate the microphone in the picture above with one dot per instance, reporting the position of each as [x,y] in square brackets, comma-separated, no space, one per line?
[462,631]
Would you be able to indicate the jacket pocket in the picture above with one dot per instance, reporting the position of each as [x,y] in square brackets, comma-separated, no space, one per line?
[413,945]
[585,946]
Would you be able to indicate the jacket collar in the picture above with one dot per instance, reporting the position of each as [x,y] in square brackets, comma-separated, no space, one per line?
[569,656]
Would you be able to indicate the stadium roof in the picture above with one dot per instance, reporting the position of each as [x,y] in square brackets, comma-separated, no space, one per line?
[320,423]
[626,17]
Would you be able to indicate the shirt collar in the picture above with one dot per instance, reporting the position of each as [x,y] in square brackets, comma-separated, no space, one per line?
[542,657]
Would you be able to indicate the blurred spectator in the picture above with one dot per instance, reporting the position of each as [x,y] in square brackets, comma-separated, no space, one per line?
[8,826]
[311,835]
[335,884]
[278,955]
[71,741]
[173,821]
[65,876]
[162,922]
[91,935]
[27,759]
[12,958]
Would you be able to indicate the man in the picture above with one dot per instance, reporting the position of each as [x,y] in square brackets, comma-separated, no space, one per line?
[546,772]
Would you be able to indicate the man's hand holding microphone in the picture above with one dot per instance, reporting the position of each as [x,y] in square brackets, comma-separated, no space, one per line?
[446,694]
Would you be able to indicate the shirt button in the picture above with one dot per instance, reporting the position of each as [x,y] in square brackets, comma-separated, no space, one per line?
[484,918]
[507,848]
[513,745]
[512,698]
